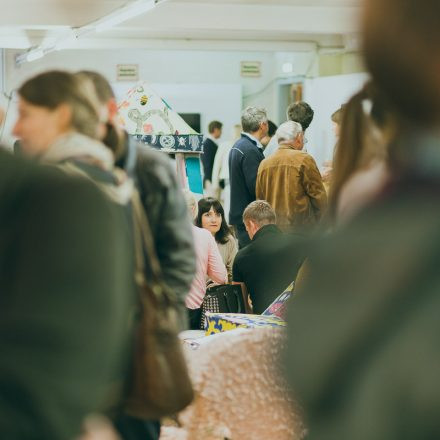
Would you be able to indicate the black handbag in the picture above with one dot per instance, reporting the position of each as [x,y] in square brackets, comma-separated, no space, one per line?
[223,298]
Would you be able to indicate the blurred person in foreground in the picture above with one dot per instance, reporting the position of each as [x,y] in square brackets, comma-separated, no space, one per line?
[267,266]
[64,270]
[363,352]
[327,166]
[290,181]
[244,159]
[361,157]
[60,123]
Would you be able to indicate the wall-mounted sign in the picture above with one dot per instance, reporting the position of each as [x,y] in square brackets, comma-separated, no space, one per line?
[127,72]
[251,68]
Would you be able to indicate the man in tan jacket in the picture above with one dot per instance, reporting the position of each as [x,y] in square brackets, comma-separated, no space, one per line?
[290,181]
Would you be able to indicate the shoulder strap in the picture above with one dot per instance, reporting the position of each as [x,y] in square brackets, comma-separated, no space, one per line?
[144,246]
[119,192]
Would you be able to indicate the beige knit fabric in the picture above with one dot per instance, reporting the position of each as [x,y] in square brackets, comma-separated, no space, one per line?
[240,395]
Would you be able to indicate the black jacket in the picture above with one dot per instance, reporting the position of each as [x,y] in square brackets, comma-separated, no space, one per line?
[268,265]
[208,156]
[244,160]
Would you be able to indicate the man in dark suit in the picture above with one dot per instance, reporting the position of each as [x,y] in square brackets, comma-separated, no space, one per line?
[64,307]
[267,266]
[209,150]
[244,160]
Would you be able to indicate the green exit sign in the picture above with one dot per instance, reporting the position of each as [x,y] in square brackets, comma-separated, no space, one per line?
[127,72]
[251,68]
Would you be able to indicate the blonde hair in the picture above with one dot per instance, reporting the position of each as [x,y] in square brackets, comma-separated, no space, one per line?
[260,212]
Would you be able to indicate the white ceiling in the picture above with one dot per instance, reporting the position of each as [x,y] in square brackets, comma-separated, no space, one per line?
[174,24]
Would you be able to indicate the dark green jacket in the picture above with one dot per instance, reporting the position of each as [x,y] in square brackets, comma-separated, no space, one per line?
[63,301]
[364,352]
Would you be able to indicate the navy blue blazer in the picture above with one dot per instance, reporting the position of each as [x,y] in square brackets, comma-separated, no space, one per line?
[208,156]
[244,160]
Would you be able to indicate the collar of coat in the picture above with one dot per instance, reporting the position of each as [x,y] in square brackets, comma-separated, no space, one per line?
[78,146]
[266,229]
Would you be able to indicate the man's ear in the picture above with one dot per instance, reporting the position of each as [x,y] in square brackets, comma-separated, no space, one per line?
[253,225]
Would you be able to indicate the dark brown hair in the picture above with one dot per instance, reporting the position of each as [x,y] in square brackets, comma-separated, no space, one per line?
[214,125]
[302,113]
[352,152]
[223,234]
[337,115]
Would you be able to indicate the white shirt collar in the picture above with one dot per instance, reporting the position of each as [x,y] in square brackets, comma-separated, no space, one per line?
[213,139]
[252,138]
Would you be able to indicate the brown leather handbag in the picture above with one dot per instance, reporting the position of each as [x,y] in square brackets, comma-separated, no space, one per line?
[160,384]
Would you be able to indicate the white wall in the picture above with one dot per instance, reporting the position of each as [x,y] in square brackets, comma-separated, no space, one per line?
[209,83]
[325,95]
[202,81]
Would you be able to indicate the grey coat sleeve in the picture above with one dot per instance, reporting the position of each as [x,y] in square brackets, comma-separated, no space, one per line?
[167,213]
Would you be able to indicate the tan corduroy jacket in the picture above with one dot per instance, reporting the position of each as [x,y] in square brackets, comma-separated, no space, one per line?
[291,182]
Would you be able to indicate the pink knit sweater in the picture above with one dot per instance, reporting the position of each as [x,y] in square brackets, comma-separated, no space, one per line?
[209,264]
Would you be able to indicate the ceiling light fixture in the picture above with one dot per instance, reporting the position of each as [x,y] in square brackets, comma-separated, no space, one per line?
[125,13]
[287,67]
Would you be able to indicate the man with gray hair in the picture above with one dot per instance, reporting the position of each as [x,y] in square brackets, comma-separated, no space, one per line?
[244,160]
[270,262]
[290,181]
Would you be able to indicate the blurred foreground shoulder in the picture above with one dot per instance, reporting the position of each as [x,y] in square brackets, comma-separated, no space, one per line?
[65,300]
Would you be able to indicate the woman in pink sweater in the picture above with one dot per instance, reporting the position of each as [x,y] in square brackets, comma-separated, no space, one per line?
[209,265]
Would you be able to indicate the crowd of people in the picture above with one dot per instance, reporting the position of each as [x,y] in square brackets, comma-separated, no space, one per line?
[358,241]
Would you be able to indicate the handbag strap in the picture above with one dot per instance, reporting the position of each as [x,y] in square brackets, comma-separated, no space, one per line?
[144,246]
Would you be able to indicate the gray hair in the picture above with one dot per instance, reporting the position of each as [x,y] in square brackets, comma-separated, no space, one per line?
[260,212]
[191,203]
[288,131]
[252,117]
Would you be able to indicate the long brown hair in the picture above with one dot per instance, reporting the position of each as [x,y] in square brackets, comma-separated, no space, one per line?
[354,148]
